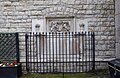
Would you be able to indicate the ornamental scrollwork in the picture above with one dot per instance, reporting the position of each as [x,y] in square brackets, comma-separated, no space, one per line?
[59,26]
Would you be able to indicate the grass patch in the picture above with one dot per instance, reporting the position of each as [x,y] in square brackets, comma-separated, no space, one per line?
[92,74]
[79,75]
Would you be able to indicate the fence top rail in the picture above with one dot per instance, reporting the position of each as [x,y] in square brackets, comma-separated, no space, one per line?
[60,33]
[8,33]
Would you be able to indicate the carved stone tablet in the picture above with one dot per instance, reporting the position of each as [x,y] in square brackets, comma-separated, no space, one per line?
[60,25]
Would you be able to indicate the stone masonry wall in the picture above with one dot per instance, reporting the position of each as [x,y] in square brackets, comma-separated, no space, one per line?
[17,15]
[117,25]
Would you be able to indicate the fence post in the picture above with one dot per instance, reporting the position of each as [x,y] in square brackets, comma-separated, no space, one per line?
[17,47]
[93,42]
[26,37]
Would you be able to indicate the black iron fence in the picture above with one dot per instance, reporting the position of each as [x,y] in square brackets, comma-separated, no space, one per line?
[60,52]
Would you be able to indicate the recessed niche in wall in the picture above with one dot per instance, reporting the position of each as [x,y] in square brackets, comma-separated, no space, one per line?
[59,24]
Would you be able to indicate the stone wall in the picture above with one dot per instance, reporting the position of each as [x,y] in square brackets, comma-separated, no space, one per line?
[117,25]
[17,16]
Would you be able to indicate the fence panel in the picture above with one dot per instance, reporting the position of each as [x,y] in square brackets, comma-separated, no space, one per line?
[60,52]
[9,47]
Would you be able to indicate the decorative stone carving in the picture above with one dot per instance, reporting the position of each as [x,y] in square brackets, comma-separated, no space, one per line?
[82,27]
[59,26]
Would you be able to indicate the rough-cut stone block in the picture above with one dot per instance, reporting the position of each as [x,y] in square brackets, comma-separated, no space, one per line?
[118,50]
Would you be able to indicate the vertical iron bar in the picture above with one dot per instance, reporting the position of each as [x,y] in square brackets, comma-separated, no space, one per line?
[72,52]
[17,47]
[46,53]
[27,52]
[89,49]
[79,49]
[76,44]
[36,50]
[92,50]
[50,51]
[40,51]
[63,53]
[30,51]
[85,52]
[53,49]
[66,49]
[43,51]
[59,53]
[93,38]
[56,53]
[33,52]
[69,54]
[82,51]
